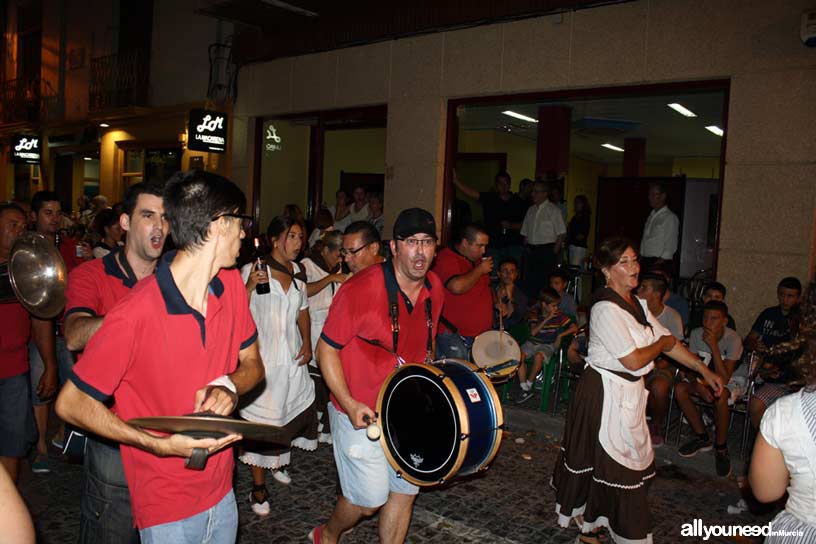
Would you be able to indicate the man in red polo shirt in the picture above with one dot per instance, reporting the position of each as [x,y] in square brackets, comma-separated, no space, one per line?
[465,273]
[181,341]
[355,370]
[16,417]
[94,288]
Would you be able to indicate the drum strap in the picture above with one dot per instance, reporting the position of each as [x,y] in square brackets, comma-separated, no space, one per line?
[392,288]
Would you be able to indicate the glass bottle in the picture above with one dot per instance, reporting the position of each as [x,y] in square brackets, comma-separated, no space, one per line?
[262,288]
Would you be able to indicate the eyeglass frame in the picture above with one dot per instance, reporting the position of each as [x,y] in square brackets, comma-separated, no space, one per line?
[246,220]
[421,242]
[353,252]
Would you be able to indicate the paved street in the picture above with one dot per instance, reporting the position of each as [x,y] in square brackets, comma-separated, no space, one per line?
[511,503]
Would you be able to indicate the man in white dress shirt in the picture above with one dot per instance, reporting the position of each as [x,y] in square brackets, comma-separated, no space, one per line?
[543,230]
[661,231]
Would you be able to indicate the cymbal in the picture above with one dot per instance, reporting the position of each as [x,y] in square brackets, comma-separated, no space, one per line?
[214,426]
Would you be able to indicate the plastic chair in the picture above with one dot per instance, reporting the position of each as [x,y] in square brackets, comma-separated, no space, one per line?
[742,404]
[562,373]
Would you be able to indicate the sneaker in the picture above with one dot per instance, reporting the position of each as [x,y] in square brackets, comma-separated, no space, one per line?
[694,446]
[40,464]
[260,508]
[722,461]
[324,438]
[282,476]
[58,443]
[524,397]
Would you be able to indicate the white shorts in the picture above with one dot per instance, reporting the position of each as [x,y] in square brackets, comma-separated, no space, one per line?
[366,478]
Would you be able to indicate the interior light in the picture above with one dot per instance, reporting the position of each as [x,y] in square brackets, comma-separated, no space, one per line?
[682,110]
[715,129]
[87,158]
[104,125]
[612,147]
[520,116]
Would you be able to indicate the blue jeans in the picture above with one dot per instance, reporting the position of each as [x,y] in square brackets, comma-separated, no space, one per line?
[218,525]
[453,346]
[105,515]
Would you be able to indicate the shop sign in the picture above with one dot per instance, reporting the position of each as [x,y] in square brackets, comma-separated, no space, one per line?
[273,141]
[207,131]
[25,149]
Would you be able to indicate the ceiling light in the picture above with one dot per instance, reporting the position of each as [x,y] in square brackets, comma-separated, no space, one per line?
[520,116]
[87,158]
[682,110]
[612,147]
[715,129]
[104,125]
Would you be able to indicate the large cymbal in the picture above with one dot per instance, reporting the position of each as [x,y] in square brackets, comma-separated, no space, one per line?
[212,426]
[38,275]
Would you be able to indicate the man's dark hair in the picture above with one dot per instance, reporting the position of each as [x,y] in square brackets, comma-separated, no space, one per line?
[548,295]
[715,286]
[11,206]
[469,232]
[40,198]
[369,232]
[716,305]
[154,188]
[192,200]
[790,283]
[509,260]
[659,185]
[657,282]
[502,174]
[557,273]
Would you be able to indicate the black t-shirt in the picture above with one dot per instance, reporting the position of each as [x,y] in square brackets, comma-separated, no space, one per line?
[772,326]
[497,210]
[578,231]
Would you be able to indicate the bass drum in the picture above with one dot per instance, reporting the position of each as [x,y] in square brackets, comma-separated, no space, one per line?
[439,421]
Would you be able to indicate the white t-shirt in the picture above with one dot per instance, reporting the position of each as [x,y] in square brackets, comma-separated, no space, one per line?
[288,389]
[670,318]
[730,345]
[361,215]
[789,425]
[614,333]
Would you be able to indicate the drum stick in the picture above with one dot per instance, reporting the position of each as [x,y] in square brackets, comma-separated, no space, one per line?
[373,430]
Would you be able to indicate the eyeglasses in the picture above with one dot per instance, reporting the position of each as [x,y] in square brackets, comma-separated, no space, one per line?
[246,220]
[419,242]
[346,252]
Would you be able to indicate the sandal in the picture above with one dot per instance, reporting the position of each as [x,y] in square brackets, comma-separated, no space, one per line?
[316,535]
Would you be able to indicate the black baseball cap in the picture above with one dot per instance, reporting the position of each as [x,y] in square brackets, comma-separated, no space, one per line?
[414,221]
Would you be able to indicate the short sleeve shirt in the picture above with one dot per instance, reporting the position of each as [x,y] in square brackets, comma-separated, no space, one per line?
[543,224]
[614,333]
[359,312]
[470,312]
[730,345]
[671,319]
[497,210]
[772,326]
[153,352]
[14,334]
[96,286]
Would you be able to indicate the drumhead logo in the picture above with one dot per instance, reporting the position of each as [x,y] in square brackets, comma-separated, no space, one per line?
[473,395]
[416,459]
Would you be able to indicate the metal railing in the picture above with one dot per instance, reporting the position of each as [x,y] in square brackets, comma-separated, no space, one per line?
[119,80]
[28,100]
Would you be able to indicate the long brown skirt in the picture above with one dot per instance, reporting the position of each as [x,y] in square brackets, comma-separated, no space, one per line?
[589,483]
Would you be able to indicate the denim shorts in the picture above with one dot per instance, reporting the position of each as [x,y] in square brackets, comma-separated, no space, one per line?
[366,478]
[217,525]
[531,348]
[65,362]
[17,427]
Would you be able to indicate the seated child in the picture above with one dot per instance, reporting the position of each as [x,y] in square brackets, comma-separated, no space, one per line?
[721,349]
[511,302]
[712,291]
[559,281]
[545,338]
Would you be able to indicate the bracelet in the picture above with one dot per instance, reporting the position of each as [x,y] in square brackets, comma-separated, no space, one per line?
[224,381]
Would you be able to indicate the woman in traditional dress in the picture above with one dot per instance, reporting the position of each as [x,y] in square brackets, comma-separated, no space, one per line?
[286,397]
[323,276]
[784,458]
[606,460]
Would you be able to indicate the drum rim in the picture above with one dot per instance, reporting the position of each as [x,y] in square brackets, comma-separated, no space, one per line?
[461,410]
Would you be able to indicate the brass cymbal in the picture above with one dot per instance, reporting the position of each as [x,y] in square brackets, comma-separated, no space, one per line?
[213,426]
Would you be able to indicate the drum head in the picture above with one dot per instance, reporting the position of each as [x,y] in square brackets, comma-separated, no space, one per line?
[422,420]
[497,349]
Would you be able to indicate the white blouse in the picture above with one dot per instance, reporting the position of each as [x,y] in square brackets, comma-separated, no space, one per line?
[320,302]
[288,389]
[614,333]
[786,426]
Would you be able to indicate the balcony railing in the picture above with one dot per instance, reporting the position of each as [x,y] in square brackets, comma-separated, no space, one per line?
[28,100]
[118,81]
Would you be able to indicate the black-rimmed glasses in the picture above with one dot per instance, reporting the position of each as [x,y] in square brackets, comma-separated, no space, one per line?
[246,220]
[346,252]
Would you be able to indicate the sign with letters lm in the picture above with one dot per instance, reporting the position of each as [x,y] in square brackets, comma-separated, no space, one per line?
[207,131]
[26,149]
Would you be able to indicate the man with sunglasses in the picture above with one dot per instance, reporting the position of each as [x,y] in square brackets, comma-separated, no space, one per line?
[182,341]
[361,246]
[356,353]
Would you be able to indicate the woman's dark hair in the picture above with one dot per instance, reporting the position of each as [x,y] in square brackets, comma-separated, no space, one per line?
[105,219]
[192,200]
[324,219]
[585,208]
[279,225]
[609,252]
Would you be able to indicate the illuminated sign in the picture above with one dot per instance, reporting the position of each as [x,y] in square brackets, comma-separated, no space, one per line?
[25,149]
[207,131]
[273,141]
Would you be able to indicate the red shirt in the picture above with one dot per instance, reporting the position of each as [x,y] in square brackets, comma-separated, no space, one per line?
[471,312]
[360,309]
[15,330]
[154,352]
[68,248]
[96,286]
